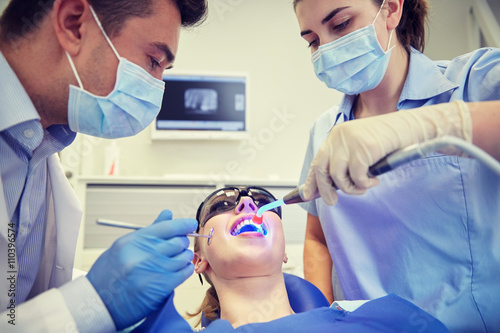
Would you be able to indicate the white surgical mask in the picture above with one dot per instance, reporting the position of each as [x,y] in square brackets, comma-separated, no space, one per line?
[354,63]
[132,105]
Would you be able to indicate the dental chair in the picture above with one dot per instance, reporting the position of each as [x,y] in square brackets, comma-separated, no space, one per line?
[302,294]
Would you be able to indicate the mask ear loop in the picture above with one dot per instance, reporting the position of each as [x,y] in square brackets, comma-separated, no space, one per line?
[107,39]
[390,37]
[74,70]
[389,44]
[104,32]
[380,9]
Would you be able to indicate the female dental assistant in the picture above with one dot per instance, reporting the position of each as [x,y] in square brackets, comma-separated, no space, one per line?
[429,231]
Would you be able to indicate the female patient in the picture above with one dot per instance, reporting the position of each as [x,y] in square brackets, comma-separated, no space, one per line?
[243,264]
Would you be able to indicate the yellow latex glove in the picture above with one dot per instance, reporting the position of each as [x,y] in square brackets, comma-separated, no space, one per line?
[352,147]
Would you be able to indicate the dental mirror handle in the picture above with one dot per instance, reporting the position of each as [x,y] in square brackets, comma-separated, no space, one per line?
[125,225]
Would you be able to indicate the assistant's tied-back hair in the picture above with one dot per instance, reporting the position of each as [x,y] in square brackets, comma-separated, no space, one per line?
[411,28]
[22,18]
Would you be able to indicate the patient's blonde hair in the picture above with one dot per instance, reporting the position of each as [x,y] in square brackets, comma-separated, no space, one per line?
[210,306]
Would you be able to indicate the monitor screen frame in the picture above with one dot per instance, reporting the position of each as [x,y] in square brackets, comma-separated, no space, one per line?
[173,134]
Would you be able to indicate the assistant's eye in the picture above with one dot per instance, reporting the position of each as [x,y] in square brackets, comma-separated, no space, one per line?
[341,26]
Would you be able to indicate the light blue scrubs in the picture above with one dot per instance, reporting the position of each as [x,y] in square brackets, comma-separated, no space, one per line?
[430,232]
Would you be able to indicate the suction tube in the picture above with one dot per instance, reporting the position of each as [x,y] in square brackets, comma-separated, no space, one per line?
[408,154]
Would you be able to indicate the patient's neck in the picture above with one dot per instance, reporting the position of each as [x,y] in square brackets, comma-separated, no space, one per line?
[253,299]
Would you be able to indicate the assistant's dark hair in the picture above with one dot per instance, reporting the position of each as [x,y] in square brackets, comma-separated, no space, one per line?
[411,28]
[23,17]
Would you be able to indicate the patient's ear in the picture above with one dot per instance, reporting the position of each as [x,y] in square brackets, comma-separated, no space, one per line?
[200,264]
[285,258]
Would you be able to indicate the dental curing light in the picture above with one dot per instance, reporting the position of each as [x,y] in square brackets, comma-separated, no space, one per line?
[394,160]
[257,218]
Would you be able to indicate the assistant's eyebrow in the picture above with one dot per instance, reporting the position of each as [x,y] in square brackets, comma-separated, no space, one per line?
[326,19]
[166,50]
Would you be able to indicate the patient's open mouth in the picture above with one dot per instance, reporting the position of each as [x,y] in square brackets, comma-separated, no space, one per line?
[247,225]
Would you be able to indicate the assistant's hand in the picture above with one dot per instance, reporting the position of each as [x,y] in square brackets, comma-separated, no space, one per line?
[352,147]
[141,269]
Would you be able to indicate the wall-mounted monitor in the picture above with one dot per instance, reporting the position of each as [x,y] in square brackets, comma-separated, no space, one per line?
[203,106]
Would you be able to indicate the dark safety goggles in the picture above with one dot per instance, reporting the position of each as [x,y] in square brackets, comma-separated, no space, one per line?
[226,199]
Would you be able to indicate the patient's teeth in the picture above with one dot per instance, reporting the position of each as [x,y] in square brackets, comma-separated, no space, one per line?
[245,222]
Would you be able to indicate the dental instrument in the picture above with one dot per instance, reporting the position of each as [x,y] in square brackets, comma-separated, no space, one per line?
[121,224]
[394,160]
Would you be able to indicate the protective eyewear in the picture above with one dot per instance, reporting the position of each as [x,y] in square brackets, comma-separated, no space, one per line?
[226,199]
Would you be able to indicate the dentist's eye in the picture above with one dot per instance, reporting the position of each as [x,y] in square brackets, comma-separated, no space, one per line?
[314,43]
[154,63]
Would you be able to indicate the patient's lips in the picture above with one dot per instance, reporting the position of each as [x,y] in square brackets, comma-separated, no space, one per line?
[247,225]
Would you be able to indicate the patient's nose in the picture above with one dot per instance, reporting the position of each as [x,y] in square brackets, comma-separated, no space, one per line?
[246,204]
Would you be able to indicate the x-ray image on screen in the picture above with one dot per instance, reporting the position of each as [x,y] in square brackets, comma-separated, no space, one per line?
[239,102]
[200,101]
[195,103]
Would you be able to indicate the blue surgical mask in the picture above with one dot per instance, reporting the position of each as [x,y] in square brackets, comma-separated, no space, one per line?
[132,105]
[354,63]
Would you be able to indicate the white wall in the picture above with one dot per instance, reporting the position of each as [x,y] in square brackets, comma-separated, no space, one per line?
[447,29]
[3,4]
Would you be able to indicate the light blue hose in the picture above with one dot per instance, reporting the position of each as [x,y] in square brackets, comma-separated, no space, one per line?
[270,206]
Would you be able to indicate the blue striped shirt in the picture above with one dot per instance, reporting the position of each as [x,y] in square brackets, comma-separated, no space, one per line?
[24,149]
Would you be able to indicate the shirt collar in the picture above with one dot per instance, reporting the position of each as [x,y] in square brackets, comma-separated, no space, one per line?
[345,109]
[425,79]
[16,107]
[62,133]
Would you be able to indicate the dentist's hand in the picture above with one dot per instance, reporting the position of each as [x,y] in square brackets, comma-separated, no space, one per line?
[140,270]
[352,147]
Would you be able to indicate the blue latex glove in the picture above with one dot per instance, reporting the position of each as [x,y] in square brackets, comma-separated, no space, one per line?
[141,269]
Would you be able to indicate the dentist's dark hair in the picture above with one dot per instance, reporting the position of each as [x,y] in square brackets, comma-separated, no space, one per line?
[22,18]
[411,28]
